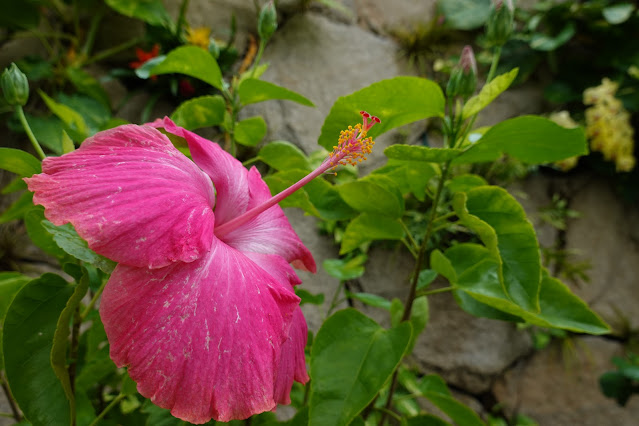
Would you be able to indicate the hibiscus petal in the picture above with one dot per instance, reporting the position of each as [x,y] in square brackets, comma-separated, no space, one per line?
[292,360]
[133,196]
[229,176]
[204,338]
[270,231]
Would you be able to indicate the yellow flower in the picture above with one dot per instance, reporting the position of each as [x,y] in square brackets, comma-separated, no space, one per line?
[608,125]
[199,37]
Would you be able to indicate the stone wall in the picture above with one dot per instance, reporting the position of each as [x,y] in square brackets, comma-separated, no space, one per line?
[324,54]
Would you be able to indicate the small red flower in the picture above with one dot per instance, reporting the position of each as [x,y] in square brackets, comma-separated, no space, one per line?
[144,56]
[185,88]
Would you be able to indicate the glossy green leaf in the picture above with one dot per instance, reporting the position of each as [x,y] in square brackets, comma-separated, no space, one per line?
[426,277]
[18,209]
[27,340]
[351,359]
[250,131]
[559,307]
[618,13]
[435,390]
[252,90]
[409,176]
[150,11]
[308,297]
[60,341]
[345,269]
[396,101]
[282,155]
[531,139]
[19,162]
[443,266]
[488,93]
[10,284]
[464,14]
[68,240]
[204,111]
[516,242]
[421,153]
[369,227]
[87,84]
[464,183]
[546,42]
[420,314]
[371,299]
[373,194]
[48,131]
[73,120]
[38,234]
[192,61]
[94,113]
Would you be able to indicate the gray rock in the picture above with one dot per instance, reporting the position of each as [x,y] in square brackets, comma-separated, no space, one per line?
[380,16]
[559,386]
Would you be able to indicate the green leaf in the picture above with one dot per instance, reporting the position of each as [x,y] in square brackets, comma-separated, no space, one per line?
[345,269]
[558,307]
[351,359]
[435,390]
[409,176]
[48,131]
[421,153]
[250,131]
[531,139]
[308,297]
[488,93]
[192,61]
[464,14]
[68,240]
[28,338]
[443,266]
[420,314]
[426,277]
[464,183]
[150,11]
[516,242]
[368,227]
[72,119]
[60,340]
[204,111]
[252,90]
[426,420]
[546,43]
[18,208]
[10,284]
[38,234]
[396,101]
[23,15]
[373,194]
[282,155]
[85,83]
[371,300]
[618,13]
[19,162]
[278,182]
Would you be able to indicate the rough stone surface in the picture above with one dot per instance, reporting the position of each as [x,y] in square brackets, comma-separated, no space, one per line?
[322,60]
[559,387]
[404,14]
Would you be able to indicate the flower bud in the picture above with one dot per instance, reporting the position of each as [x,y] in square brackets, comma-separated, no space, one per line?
[15,86]
[500,22]
[267,21]
[463,78]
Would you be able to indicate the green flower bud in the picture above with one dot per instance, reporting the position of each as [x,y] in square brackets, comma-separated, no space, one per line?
[267,21]
[15,86]
[499,26]
[463,78]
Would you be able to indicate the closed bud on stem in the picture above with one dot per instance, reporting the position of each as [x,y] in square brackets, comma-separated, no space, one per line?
[15,86]
[499,26]
[267,21]
[463,78]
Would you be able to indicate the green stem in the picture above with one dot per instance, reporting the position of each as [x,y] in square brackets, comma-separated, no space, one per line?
[258,57]
[113,50]
[437,291]
[493,65]
[93,301]
[180,21]
[409,236]
[93,30]
[409,247]
[30,135]
[9,415]
[108,408]
[334,301]
[415,279]
[385,411]
[251,161]
[73,352]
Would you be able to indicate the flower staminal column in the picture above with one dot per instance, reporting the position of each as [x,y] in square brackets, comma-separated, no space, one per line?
[201,307]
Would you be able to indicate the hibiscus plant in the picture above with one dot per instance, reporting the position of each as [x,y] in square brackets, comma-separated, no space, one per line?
[177,298]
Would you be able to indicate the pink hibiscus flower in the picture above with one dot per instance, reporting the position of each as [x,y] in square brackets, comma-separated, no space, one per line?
[201,306]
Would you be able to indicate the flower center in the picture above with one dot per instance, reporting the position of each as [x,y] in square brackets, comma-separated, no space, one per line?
[352,148]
